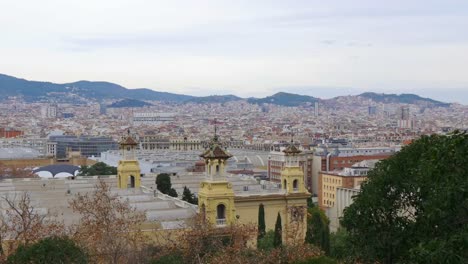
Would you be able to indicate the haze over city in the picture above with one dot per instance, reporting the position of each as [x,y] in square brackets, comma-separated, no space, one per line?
[246,48]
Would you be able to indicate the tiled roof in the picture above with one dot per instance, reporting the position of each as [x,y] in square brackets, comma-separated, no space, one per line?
[128,141]
[291,149]
[215,151]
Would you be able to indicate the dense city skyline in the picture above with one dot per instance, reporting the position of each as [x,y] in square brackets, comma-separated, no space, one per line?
[243,48]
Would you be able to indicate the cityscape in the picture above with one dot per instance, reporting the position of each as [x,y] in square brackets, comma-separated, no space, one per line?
[97,170]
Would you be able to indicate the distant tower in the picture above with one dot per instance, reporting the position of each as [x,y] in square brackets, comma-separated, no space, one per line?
[372,110]
[316,109]
[102,109]
[404,113]
[216,196]
[49,111]
[404,120]
[292,175]
[128,170]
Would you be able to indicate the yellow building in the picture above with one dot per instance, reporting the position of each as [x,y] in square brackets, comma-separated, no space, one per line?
[128,169]
[328,182]
[220,205]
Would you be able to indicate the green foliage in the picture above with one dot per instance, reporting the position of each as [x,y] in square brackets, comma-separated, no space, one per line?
[261,221]
[319,260]
[188,196]
[310,203]
[340,247]
[172,192]
[49,250]
[318,232]
[266,242]
[99,168]
[414,206]
[163,183]
[278,238]
[129,103]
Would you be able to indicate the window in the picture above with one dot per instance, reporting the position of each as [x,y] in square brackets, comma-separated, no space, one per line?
[221,215]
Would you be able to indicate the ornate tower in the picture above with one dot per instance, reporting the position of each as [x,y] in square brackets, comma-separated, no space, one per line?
[216,196]
[292,181]
[128,170]
[292,176]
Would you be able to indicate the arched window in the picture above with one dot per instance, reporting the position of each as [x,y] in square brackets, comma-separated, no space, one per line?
[221,215]
[284,184]
[221,211]
[295,187]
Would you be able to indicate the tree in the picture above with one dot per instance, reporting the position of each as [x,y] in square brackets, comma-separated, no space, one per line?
[278,239]
[164,185]
[340,247]
[414,206]
[188,196]
[100,168]
[23,224]
[266,242]
[261,221]
[318,232]
[109,228]
[49,250]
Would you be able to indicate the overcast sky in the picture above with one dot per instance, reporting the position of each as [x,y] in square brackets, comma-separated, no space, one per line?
[246,48]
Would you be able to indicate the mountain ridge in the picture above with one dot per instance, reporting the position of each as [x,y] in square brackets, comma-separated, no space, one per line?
[83,91]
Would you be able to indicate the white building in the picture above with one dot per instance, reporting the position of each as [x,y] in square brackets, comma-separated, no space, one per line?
[49,111]
[150,118]
[343,199]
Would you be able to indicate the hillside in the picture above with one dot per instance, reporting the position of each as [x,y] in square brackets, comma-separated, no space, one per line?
[401,98]
[36,91]
[85,91]
[214,99]
[129,103]
[285,99]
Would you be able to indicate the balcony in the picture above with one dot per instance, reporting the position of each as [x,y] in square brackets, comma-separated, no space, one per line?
[221,222]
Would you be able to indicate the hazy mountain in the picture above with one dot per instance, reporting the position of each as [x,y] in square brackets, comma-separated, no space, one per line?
[285,99]
[83,91]
[129,103]
[402,99]
[35,91]
[214,99]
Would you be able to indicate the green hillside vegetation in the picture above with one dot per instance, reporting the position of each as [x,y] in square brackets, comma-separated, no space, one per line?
[34,90]
[285,99]
[129,103]
[402,99]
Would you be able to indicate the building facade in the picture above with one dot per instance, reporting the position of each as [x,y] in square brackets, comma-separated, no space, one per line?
[220,205]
